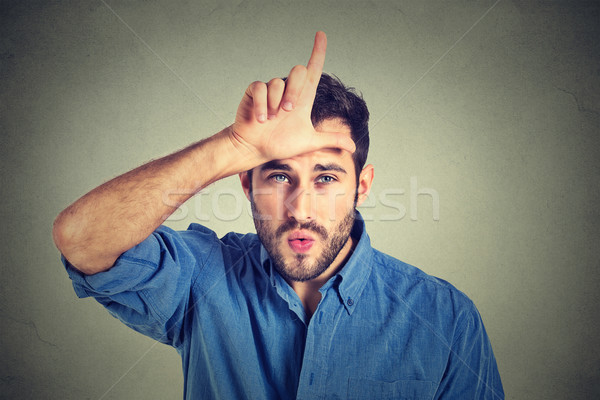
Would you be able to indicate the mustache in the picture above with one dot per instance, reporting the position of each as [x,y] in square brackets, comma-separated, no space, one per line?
[309,226]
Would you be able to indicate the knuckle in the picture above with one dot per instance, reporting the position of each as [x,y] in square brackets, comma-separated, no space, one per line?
[298,69]
[257,85]
[276,83]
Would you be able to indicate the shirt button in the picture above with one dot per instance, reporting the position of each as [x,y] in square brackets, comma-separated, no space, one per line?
[350,302]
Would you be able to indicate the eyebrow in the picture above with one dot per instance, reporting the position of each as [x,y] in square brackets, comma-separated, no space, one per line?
[276,165]
[329,167]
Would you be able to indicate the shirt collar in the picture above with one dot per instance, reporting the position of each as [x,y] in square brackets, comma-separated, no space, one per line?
[350,281]
[354,275]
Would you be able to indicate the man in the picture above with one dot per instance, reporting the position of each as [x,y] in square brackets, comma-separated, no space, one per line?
[304,309]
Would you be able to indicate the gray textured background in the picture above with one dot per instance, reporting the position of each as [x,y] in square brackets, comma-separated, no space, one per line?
[492,105]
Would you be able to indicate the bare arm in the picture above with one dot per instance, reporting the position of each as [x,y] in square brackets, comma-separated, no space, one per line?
[92,232]
[112,218]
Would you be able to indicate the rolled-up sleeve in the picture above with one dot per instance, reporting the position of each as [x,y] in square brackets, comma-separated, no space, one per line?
[148,287]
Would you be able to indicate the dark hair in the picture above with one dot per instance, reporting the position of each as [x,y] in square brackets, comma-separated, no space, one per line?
[336,100]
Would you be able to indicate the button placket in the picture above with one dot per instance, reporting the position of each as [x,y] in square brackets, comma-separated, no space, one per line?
[315,365]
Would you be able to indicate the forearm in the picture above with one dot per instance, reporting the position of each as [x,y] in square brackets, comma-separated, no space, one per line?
[112,218]
[95,230]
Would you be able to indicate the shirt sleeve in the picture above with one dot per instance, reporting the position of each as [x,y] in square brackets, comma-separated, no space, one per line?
[148,287]
[472,372]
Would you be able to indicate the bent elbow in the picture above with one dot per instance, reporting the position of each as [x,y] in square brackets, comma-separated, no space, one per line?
[69,240]
[61,234]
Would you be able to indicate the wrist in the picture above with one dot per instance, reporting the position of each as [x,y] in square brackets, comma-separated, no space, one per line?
[224,154]
[241,155]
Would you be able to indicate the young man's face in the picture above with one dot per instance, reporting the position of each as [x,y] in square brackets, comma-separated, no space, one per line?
[303,208]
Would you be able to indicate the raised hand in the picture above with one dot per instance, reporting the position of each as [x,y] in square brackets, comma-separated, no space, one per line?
[273,119]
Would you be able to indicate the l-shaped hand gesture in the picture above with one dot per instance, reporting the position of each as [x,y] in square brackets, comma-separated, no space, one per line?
[273,119]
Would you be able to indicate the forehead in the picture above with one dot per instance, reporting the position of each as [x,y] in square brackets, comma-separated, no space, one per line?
[321,156]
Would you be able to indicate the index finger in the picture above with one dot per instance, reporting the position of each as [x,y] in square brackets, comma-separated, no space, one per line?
[317,59]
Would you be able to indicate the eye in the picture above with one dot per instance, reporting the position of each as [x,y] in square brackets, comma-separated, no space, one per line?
[326,179]
[279,178]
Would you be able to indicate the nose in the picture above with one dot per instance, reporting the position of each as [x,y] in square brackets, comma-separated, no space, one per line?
[300,204]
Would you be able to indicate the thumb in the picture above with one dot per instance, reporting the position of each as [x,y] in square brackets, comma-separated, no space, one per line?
[334,140]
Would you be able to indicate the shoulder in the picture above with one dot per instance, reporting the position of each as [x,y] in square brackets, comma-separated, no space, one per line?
[233,253]
[414,286]
[200,236]
[199,246]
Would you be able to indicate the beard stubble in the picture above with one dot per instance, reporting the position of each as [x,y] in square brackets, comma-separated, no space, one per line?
[300,268]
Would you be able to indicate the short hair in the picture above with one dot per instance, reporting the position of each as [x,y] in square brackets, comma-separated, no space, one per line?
[334,100]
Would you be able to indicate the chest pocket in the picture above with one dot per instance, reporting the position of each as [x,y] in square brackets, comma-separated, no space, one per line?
[397,390]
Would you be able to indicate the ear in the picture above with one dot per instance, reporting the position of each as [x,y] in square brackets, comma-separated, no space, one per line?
[246,184]
[364,183]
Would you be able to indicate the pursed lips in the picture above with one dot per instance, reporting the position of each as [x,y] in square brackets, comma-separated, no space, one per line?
[300,241]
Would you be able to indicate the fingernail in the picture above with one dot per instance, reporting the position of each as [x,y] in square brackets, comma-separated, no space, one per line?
[272,116]
[287,106]
[262,118]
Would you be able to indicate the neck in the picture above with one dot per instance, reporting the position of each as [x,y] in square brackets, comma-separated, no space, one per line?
[308,291]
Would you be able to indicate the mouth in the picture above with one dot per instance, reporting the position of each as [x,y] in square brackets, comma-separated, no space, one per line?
[300,242]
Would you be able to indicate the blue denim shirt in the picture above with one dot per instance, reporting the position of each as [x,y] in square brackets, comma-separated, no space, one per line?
[383,329]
